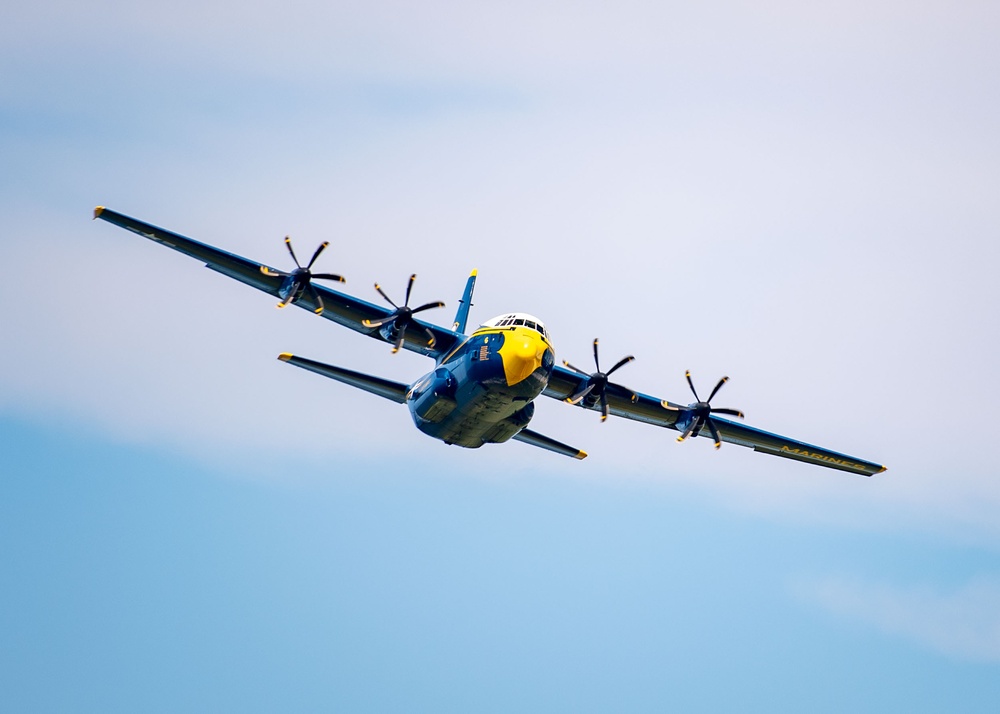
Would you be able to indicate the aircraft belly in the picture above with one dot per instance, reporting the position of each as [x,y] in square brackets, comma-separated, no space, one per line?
[487,409]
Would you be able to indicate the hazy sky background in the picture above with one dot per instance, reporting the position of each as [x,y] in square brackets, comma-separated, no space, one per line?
[801,196]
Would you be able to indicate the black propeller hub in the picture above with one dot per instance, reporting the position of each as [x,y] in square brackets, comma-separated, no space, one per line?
[299,282]
[393,326]
[595,388]
[698,414]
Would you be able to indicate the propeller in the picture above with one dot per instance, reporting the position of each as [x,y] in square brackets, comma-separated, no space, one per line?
[299,280]
[401,317]
[701,412]
[595,388]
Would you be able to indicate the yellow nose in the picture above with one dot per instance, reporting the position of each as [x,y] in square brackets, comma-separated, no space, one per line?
[522,353]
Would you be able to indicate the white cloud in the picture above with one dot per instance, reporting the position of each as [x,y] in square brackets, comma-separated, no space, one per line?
[962,623]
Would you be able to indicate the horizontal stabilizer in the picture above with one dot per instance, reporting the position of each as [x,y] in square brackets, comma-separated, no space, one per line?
[376,385]
[535,439]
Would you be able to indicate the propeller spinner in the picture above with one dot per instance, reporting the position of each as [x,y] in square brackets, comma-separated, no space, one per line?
[398,320]
[299,281]
[700,412]
[595,388]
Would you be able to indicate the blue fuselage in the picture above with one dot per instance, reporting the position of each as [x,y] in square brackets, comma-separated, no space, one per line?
[482,392]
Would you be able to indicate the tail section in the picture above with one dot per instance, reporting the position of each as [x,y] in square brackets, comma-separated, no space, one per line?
[462,316]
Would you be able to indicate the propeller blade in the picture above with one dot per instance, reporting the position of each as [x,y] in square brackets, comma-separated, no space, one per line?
[399,342]
[623,361]
[715,432]
[724,410]
[578,397]
[430,337]
[718,387]
[272,273]
[668,406]
[687,374]
[604,406]
[409,287]
[378,323]
[428,306]
[288,244]
[691,427]
[597,362]
[329,276]
[387,298]
[575,369]
[319,300]
[322,247]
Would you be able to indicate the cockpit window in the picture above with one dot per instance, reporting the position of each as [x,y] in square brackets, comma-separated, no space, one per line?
[516,320]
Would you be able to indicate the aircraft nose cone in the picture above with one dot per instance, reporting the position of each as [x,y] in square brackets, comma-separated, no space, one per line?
[522,354]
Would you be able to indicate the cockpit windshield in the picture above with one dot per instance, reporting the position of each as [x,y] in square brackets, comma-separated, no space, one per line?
[518,319]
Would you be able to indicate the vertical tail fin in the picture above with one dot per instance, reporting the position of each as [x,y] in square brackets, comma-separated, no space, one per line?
[462,316]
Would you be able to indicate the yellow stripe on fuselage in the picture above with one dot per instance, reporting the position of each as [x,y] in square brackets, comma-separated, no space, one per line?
[522,351]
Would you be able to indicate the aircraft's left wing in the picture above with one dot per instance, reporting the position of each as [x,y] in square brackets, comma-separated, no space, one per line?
[648,409]
[339,307]
[645,408]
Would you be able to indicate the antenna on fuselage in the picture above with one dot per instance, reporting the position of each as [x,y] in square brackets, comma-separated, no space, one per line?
[462,316]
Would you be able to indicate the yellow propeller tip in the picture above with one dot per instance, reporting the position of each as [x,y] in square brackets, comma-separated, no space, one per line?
[475,272]
[318,311]
[581,455]
[285,356]
[680,439]
[98,210]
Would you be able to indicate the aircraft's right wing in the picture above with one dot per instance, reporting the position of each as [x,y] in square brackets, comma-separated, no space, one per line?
[339,307]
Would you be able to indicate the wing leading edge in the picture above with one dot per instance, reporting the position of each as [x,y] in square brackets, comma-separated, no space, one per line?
[339,307]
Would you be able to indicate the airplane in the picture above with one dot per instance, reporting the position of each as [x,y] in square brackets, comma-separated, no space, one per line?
[483,386]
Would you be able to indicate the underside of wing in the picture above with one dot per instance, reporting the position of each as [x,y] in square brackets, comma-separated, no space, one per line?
[528,436]
[776,445]
[395,391]
[346,310]
[651,410]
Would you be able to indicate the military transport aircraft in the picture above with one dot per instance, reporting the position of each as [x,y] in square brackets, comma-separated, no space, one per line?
[483,386]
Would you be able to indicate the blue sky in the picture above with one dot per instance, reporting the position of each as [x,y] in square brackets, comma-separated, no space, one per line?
[799,197]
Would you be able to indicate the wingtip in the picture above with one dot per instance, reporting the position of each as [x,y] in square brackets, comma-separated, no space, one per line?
[98,210]
[285,356]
